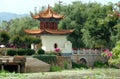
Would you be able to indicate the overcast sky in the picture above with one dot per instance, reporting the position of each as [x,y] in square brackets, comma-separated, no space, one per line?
[25,6]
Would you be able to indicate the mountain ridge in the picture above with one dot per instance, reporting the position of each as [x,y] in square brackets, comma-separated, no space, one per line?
[6,16]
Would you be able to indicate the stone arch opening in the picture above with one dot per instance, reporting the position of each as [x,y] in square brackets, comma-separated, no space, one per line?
[83,61]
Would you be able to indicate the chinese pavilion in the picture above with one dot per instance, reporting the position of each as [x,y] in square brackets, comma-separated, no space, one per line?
[50,35]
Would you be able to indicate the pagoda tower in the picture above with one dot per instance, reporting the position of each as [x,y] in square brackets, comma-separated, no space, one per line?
[50,35]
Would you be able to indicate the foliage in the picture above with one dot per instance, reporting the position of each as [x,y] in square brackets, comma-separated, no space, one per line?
[24,41]
[99,73]
[65,65]
[55,68]
[5,25]
[11,52]
[21,52]
[100,64]
[50,53]
[30,52]
[27,40]
[13,75]
[27,52]
[115,61]
[116,51]
[18,25]
[40,51]
[51,59]
[4,37]
[75,65]
[17,40]
[36,40]
[94,28]
[107,54]
[96,25]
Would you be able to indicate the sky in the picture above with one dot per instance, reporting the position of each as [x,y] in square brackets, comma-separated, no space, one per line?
[25,6]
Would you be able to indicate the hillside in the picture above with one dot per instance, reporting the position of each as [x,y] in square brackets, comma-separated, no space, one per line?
[5,16]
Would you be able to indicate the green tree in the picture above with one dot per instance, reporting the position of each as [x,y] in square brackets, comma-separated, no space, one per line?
[27,40]
[24,41]
[17,40]
[20,24]
[115,61]
[5,25]
[116,17]
[4,37]
[95,25]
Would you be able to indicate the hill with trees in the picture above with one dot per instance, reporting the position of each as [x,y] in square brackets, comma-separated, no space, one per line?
[6,16]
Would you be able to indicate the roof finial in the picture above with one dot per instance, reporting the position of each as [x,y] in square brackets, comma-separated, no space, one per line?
[48,6]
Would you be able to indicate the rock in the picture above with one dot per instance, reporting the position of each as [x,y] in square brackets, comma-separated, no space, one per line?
[36,65]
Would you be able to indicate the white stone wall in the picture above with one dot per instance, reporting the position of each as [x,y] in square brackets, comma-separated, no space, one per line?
[48,41]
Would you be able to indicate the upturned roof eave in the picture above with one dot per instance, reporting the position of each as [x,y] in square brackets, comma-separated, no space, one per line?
[46,31]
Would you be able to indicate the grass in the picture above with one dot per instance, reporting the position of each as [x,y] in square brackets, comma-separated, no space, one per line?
[66,74]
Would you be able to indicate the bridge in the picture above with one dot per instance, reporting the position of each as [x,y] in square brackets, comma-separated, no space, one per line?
[87,57]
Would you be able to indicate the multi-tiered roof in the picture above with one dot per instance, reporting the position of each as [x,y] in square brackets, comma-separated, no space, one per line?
[48,23]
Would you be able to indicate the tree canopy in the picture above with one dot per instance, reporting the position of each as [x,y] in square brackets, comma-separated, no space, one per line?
[96,25]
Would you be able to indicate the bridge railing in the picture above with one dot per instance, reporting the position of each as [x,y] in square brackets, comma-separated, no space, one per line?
[87,51]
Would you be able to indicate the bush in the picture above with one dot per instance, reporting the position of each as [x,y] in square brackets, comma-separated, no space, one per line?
[75,65]
[116,51]
[50,53]
[101,64]
[114,63]
[21,52]
[55,68]
[30,52]
[50,59]
[65,65]
[41,51]
[11,52]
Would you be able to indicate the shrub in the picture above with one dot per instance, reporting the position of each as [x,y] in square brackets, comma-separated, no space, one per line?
[21,52]
[115,60]
[65,65]
[101,64]
[55,68]
[41,51]
[116,51]
[47,58]
[50,53]
[11,52]
[114,63]
[30,52]
[75,65]
[4,37]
